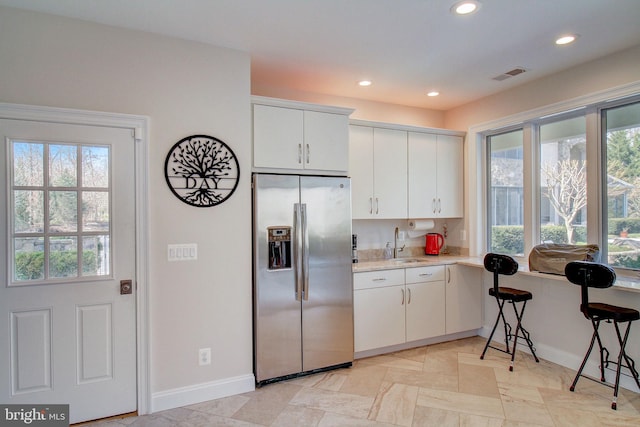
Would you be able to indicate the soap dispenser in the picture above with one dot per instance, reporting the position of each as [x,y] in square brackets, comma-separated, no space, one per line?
[388,252]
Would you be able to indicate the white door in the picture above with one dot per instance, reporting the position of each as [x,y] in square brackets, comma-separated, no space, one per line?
[326,141]
[361,171]
[450,176]
[278,137]
[67,224]
[390,173]
[422,182]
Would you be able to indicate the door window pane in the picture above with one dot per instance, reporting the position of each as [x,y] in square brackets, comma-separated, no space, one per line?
[622,198]
[505,233]
[95,167]
[28,211]
[63,160]
[63,257]
[28,258]
[63,211]
[27,164]
[53,212]
[563,181]
[95,255]
[95,211]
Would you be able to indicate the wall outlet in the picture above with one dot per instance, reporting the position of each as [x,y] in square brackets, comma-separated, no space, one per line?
[204,356]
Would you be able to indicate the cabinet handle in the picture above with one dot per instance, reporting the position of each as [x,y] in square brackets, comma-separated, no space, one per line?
[308,153]
[433,205]
[370,205]
[425,274]
[300,153]
[409,300]
[439,205]
[402,290]
[377,206]
[380,279]
[448,275]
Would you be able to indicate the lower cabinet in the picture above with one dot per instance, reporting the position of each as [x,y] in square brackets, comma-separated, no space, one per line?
[425,308]
[378,307]
[397,306]
[464,299]
[390,310]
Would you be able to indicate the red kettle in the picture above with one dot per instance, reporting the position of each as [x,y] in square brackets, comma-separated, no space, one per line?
[434,242]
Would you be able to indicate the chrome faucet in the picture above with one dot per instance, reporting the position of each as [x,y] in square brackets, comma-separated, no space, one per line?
[395,244]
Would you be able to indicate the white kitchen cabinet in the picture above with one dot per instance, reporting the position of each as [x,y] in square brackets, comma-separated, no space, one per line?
[290,136]
[435,175]
[391,310]
[378,170]
[464,299]
[379,309]
[425,307]
[399,306]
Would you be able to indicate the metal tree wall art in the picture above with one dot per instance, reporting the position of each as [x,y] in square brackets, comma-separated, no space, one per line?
[202,171]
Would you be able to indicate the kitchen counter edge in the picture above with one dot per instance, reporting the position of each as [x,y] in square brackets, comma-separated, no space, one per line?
[623,283]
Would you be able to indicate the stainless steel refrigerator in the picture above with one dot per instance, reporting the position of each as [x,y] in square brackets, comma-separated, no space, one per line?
[303,291]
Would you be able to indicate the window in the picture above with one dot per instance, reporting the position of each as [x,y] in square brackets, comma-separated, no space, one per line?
[59,209]
[547,178]
[506,193]
[563,181]
[621,143]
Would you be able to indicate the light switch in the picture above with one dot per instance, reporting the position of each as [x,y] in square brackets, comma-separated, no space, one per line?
[183,252]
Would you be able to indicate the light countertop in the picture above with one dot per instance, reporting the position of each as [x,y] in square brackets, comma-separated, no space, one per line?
[622,283]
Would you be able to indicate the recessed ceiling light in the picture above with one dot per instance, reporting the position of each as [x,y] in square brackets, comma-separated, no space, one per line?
[566,39]
[433,93]
[465,7]
[364,82]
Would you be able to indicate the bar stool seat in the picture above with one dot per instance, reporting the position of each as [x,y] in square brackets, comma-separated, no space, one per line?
[516,295]
[613,312]
[499,264]
[595,275]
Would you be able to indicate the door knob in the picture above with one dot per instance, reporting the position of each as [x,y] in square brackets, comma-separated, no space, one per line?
[126,287]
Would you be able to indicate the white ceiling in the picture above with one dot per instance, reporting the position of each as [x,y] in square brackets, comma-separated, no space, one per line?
[406,47]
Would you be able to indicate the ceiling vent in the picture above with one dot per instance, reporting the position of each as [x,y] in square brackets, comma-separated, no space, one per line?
[510,73]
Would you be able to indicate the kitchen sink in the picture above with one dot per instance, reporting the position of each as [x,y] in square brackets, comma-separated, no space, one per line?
[406,260]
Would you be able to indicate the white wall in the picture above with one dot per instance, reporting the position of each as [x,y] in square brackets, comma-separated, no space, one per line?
[608,72]
[185,88]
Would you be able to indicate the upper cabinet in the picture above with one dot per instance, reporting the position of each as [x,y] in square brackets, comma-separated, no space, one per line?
[435,175]
[378,170]
[405,171]
[300,137]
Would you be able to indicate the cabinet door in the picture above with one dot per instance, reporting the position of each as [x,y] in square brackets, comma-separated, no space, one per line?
[326,141]
[422,175]
[361,171]
[390,173]
[378,315]
[450,176]
[464,298]
[425,310]
[277,137]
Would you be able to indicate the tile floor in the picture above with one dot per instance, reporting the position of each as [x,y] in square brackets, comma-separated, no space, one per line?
[439,385]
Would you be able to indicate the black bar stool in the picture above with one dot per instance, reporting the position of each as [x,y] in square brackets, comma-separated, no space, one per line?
[505,265]
[594,275]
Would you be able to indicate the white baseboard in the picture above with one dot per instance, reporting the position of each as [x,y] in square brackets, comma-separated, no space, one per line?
[568,360]
[197,393]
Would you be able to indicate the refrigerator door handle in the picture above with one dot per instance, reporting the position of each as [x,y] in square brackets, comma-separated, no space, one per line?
[305,252]
[297,247]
